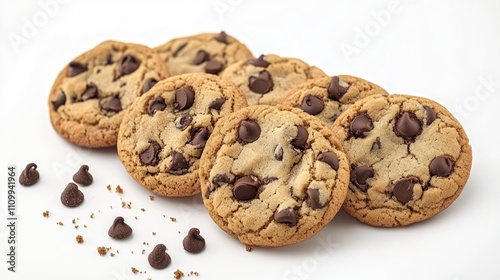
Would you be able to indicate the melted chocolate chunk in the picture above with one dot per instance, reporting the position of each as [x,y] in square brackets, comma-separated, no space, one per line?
[360,174]
[248,132]
[184,121]
[213,67]
[222,37]
[245,188]
[312,105]
[176,52]
[76,68]
[441,166]
[286,216]
[201,56]
[300,141]
[376,144]
[200,137]
[408,126]
[156,104]
[90,92]
[220,179]
[193,242]
[151,156]
[119,229]
[30,175]
[217,104]
[278,153]
[312,199]
[60,100]
[361,124]
[111,104]
[159,258]
[178,163]
[335,90]
[127,65]
[430,115]
[83,177]
[330,159]
[148,84]
[403,189]
[262,83]
[259,62]
[184,98]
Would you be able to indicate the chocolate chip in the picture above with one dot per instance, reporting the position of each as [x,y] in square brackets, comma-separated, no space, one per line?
[72,196]
[300,141]
[403,189]
[184,121]
[441,166]
[220,179]
[201,56]
[330,159]
[259,62]
[178,163]
[156,104]
[361,124]
[193,242]
[109,59]
[286,216]
[111,104]
[176,52]
[150,156]
[430,115]
[312,105]
[262,83]
[359,175]
[159,258]
[376,144]
[29,176]
[407,126]
[248,131]
[217,104]
[119,229]
[184,98]
[335,89]
[266,180]
[213,67]
[60,100]
[83,177]
[222,37]
[200,138]
[312,199]
[278,153]
[127,65]
[90,92]
[148,84]
[245,188]
[76,68]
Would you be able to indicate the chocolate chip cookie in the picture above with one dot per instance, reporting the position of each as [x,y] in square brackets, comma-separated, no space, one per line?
[409,157]
[206,52]
[165,132]
[88,98]
[272,175]
[328,97]
[265,79]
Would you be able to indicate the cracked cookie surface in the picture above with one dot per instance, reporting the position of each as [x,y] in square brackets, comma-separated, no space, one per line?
[264,80]
[205,52]
[89,96]
[410,159]
[165,132]
[328,97]
[273,175]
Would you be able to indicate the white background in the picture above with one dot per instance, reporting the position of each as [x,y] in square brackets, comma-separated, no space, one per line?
[448,51]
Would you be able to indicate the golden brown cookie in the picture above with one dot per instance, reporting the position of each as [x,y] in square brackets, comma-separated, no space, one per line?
[164,133]
[410,159]
[88,98]
[272,175]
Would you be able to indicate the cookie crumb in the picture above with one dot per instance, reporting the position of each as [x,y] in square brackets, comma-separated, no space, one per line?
[92,215]
[46,213]
[135,270]
[136,217]
[248,248]
[178,274]
[108,187]
[124,204]
[79,239]
[151,197]
[60,223]
[154,233]
[73,221]
[102,250]
[85,226]
[193,273]
[143,251]
[143,210]
[112,254]
[76,227]
[173,219]
[119,189]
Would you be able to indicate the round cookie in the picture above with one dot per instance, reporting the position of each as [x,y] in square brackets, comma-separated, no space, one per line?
[272,175]
[264,80]
[206,52]
[163,135]
[409,157]
[89,96]
[328,97]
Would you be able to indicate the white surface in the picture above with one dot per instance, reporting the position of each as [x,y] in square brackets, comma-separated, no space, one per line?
[444,50]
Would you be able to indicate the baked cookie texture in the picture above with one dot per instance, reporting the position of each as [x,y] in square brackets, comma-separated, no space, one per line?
[205,52]
[272,175]
[164,133]
[410,159]
[264,80]
[328,97]
[89,96]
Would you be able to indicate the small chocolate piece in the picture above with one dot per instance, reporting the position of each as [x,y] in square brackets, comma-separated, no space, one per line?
[30,175]
[150,156]
[184,98]
[312,105]
[262,83]
[245,188]
[156,104]
[184,121]
[222,37]
[178,162]
[76,68]
[430,115]
[248,131]
[220,179]
[403,189]
[329,158]
[278,152]
[119,229]
[83,177]
[407,126]
[111,104]
[266,180]
[109,59]
[441,166]
[193,242]
[359,175]
[127,65]
[335,90]
[286,216]
[159,258]
[201,56]
[259,62]
[182,46]
[217,104]
[60,100]
[361,124]
[90,92]
[376,144]
[300,141]
[312,199]
[148,84]
[72,196]
[213,67]
[200,138]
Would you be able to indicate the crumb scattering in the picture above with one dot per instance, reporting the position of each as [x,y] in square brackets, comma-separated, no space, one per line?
[195,273]
[73,221]
[108,187]
[79,239]
[178,274]
[60,223]
[119,189]
[103,250]
[46,213]
[143,251]
[135,270]
[142,209]
[151,197]
[154,233]
[173,219]
[248,248]
[92,215]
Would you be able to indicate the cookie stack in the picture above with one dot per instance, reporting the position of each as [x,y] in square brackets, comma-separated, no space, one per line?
[275,146]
